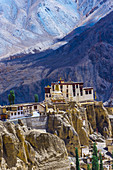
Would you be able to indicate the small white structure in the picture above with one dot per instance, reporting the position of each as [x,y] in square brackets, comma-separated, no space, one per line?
[85,151]
[70,91]
[109,142]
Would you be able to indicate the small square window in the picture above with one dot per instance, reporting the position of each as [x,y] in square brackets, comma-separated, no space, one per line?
[86,92]
[89,91]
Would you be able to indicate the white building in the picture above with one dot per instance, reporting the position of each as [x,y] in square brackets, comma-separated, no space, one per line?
[21,110]
[69,91]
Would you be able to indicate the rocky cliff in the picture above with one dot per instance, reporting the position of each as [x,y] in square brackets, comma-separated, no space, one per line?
[21,148]
[75,124]
[98,117]
[68,125]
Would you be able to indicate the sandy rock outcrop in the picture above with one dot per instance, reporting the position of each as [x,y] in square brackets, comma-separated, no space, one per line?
[68,125]
[74,123]
[77,122]
[98,117]
[60,126]
[31,150]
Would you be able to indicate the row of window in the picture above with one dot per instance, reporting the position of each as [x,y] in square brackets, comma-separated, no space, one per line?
[48,95]
[61,86]
[88,92]
[18,113]
[20,108]
[14,108]
[74,94]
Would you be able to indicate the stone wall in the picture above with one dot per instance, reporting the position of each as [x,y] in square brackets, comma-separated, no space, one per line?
[38,122]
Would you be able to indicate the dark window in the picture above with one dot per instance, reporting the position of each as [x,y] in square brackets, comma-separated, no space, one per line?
[77,94]
[11,114]
[67,90]
[89,91]
[81,92]
[61,86]
[15,113]
[50,95]
[73,90]
[35,107]
[18,113]
[66,95]
[77,86]
[67,86]
[86,92]
[46,95]
[53,87]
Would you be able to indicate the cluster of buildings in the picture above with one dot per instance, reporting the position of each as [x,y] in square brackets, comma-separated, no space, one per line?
[104,147]
[58,92]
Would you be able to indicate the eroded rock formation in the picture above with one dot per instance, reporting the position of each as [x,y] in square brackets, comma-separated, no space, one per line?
[98,117]
[68,125]
[21,148]
[74,123]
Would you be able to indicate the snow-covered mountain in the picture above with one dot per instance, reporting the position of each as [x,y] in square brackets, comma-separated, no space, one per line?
[28,23]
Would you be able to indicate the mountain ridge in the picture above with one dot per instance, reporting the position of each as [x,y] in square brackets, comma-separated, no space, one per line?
[38,24]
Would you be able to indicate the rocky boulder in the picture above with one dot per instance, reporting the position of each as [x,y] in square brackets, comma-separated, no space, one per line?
[33,149]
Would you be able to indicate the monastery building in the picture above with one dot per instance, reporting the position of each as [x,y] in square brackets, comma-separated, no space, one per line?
[68,91]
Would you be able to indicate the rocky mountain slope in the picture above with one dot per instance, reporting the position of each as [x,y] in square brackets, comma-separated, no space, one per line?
[36,24]
[87,57]
[21,148]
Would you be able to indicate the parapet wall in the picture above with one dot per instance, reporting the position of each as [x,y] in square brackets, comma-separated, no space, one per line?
[34,122]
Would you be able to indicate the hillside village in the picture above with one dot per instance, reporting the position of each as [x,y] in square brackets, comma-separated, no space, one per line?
[70,112]
[56,90]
